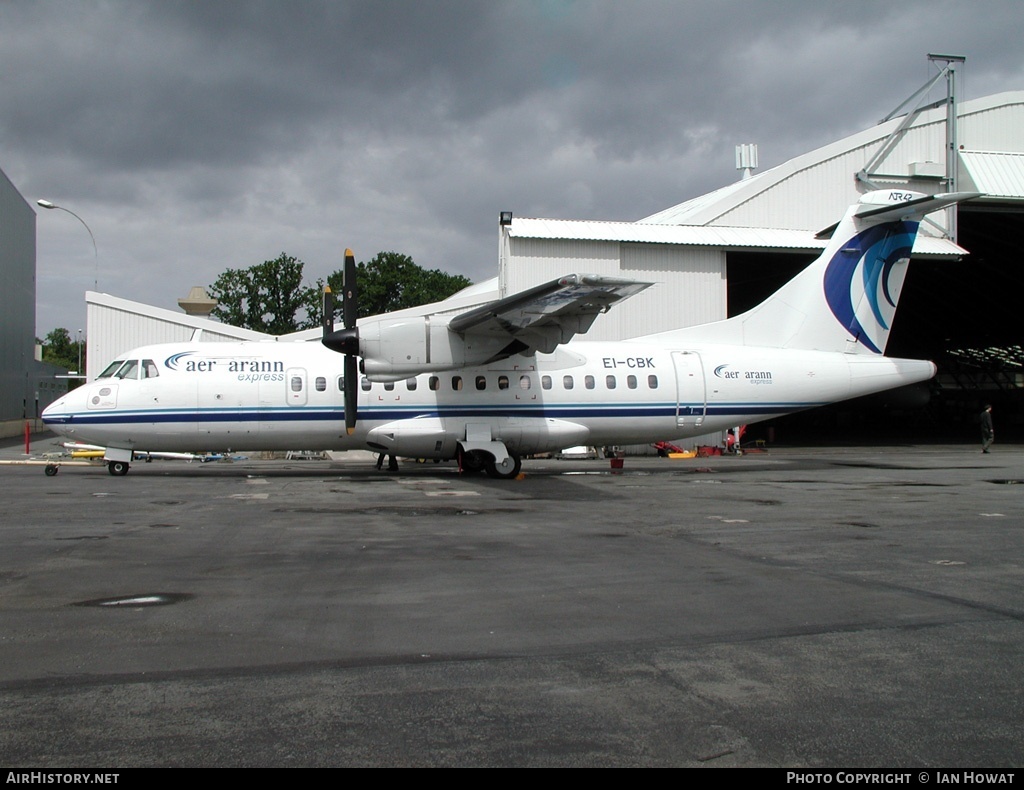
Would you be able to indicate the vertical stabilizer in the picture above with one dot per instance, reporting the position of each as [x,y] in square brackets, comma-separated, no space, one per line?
[846,300]
[864,266]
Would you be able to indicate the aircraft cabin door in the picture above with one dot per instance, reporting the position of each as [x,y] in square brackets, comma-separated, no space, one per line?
[691,389]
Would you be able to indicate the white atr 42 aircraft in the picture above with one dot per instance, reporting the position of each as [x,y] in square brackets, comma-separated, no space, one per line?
[495,383]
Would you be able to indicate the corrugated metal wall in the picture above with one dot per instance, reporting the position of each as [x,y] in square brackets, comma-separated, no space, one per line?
[818,194]
[689,281]
[113,331]
[995,128]
[17,302]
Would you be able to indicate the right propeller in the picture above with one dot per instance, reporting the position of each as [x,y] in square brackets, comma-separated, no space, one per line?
[345,341]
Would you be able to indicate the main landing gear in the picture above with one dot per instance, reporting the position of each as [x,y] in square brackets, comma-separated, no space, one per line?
[117,468]
[476,461]
[504,470]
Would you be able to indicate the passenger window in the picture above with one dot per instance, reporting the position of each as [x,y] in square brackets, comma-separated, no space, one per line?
[588,382]
[320,384]
[296,383]
[610,382]
[545,382]
[481,382]
[149,369]
[567,382]
[631,382]
[652,382]
[503,382]
[434,383]
[111,369]
[410,384]
[457,383]
[389,386]
[365,384]
[341,383]
[524,382]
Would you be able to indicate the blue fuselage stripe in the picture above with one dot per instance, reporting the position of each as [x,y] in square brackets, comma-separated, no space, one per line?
[387,414]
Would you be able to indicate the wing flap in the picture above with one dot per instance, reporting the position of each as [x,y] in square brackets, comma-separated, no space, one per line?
[542,317]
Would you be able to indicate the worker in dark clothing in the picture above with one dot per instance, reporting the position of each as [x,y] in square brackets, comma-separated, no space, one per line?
[988,434]
[392,462]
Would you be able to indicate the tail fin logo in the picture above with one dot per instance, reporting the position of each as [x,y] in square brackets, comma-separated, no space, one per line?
[863,280]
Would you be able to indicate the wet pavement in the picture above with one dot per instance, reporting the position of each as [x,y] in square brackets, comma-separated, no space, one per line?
[829,607]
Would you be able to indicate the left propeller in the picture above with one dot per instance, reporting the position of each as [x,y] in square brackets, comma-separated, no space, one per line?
[345,341]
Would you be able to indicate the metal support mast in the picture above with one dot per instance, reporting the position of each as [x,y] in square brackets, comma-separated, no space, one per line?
[911,108]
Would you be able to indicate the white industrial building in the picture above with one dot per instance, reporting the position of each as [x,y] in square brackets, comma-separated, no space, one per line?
[116,325]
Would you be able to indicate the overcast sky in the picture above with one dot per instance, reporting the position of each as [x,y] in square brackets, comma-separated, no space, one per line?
[197,136]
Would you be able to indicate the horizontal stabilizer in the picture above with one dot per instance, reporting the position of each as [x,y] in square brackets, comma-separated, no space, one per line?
[914,209]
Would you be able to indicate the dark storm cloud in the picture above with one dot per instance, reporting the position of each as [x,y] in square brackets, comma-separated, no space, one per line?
[196,136]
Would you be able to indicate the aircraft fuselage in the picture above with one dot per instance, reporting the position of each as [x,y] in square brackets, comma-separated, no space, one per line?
[250,396]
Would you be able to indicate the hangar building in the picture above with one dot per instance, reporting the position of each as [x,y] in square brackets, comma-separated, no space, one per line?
[721,253]
[690,249]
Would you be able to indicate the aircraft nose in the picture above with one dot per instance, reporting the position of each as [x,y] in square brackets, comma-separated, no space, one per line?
[59,412]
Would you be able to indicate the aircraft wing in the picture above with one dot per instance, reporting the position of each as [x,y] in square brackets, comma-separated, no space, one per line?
[540,318]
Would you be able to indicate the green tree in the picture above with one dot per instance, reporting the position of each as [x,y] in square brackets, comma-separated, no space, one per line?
[268,297]
[392,281]
[60,350]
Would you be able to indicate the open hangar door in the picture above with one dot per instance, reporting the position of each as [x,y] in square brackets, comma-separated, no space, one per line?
[960,314]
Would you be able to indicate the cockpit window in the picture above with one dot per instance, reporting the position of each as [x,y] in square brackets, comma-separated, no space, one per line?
[110,369]
[149,369]
[130,370]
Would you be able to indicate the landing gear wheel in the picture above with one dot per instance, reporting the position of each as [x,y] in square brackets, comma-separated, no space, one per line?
[118,468]
[507,470]
[51,469]
[473,462]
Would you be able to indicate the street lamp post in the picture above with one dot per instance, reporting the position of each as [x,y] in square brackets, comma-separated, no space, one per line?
[47,204]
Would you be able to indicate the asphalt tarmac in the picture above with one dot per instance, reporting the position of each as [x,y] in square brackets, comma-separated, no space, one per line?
[852,607]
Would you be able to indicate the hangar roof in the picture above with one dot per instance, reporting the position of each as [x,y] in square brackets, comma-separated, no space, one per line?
[148,314]
[991,155]
[749,239]
[781,208]
[999,174]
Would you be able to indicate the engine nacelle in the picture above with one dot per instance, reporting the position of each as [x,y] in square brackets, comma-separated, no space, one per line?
[396,348]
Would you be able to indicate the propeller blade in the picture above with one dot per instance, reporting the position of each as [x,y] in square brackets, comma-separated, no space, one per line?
[345,341]
[351,392]
[327,319]
[350,306]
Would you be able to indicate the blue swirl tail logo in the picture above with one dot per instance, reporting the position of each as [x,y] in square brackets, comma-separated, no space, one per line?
[862,281]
